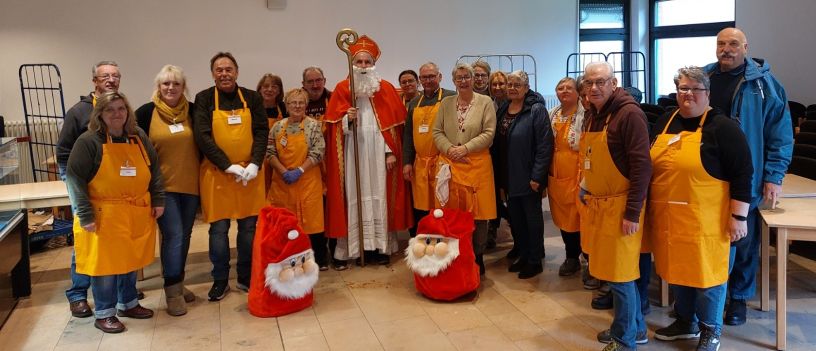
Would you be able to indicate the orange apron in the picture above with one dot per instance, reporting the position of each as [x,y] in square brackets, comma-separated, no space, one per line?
[688,212]
[613,256]
[221,196]
[422,185]
[266,166]
[471,185]
[562,183]
[125,236]
[305,197]
[273,120]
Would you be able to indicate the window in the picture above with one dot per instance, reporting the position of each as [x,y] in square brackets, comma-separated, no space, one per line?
[684,33]
[603,26]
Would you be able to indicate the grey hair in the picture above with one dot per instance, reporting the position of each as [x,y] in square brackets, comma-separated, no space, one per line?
[312,68]
[694,73]
[604,64]
[464,66]
[520,75]
[483,64]
[103,63]
[431,65]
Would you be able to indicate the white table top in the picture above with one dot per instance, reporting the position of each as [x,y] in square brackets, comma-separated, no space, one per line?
[34,195]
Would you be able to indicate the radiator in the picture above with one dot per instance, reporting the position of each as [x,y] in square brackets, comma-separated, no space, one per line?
[42,142]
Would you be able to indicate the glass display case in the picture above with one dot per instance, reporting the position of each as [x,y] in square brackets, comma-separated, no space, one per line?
[14,259]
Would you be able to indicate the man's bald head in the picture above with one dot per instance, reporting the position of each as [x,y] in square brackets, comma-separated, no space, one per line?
[732,46]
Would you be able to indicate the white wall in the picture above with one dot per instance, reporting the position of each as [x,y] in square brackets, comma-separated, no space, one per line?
[783,32]
[144,35]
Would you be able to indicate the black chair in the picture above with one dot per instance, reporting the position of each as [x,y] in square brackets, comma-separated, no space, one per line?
[804,150]
[808,126]
[666,102]
[807,138]
[810,112]
[652,117]
[803,166]
[652,108]
[797,109]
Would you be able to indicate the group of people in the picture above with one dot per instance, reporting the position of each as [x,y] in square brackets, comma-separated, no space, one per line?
[685,192]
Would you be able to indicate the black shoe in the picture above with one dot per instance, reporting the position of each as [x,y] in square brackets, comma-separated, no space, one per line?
[735,312]
[339,265]
[602,301]
[679,330]
[243,286]
[513,254]
[516,266]
[530,270]
[605,337]
[480,263]
[569,267]
[218,290]
[709,340]
[382,259]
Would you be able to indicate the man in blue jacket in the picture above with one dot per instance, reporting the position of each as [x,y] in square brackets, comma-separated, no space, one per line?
[744,89]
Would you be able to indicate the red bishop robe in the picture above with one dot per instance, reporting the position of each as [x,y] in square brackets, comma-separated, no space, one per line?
[390,113]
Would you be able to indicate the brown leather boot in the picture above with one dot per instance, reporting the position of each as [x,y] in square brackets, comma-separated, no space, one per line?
[137,312]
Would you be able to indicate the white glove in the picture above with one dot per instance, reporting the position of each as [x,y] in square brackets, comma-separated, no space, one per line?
[250,172]
[236,170]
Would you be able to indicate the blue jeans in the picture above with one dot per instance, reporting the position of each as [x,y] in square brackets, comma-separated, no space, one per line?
[176,225]
[642,283]
[80,283]
[220,251]
[743,270]
[700,305]
[628,318]
[112,292]
[527,222]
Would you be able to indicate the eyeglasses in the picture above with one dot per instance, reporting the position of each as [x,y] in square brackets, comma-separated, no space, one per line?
[297,103]
[315,81]
[462,78]
[514,85]
[428,77]
[597,82]
[481,75]
[109,77]
[686,90]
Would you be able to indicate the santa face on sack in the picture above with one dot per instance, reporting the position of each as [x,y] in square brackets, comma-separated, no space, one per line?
[429,254]
[293,277]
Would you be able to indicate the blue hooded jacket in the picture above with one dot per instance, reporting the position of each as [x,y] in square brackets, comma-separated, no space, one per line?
[760,106]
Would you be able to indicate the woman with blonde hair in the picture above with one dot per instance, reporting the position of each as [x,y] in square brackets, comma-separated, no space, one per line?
[167,122]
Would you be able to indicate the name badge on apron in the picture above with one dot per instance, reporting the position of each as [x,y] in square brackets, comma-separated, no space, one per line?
[587,164]
[234,119]
[127,171]
[423,128]
[176,128]
[674,139]
[283,141]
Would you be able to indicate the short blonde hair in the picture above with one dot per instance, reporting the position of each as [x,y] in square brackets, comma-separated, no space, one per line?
[462,66]
[291,94]
[170,72]
[96,123]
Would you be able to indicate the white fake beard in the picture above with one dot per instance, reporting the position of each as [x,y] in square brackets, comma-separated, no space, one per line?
[300,285]
[430,266]
[366,81]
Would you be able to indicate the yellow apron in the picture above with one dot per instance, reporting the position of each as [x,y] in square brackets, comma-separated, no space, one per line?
[305,197]
[273,120]
[471,185]
[562,183]
[613,256]
[125,236]
[422,185]
[687,214]
[221,196]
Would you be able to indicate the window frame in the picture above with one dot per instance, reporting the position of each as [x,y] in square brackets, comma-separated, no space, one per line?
[610,34]
[677,31]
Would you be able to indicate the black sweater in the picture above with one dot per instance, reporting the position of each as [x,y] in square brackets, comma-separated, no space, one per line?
[724,151]
[202,116]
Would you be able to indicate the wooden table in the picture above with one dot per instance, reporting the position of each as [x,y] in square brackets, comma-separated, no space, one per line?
[34,195]
[793,219]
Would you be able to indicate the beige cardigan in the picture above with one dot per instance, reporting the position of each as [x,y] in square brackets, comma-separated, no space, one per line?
[480,125]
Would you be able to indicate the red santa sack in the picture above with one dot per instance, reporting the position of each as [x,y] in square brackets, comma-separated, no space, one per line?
[283,267]
[441,255]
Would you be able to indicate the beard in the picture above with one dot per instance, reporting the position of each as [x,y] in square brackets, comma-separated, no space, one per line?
[292,281]
[430,264]
[366,81]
